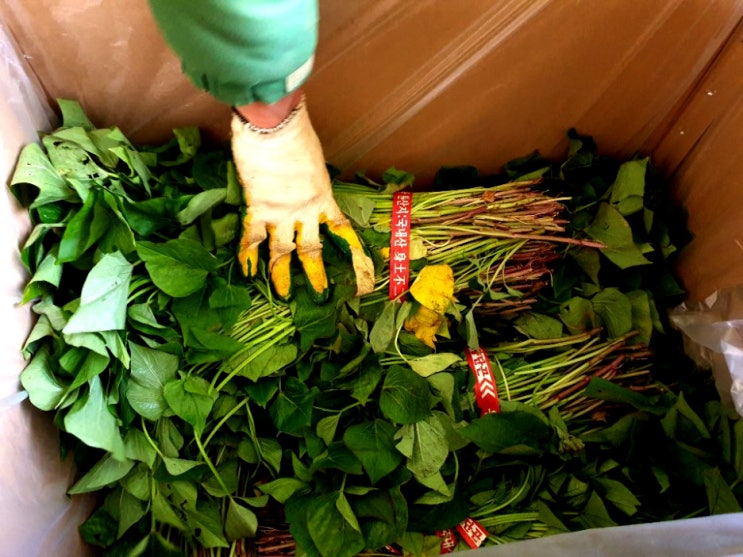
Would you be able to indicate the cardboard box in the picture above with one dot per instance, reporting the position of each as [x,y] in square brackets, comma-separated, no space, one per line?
[410,84]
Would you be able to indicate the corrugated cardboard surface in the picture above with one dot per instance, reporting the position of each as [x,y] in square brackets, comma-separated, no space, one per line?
[427,83]
[37,516]
[421,84]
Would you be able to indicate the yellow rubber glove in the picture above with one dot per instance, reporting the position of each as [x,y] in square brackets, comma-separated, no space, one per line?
[288,196]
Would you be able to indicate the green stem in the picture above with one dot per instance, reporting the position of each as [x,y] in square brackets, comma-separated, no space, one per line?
[224,420]
[209,463]
[274,336]
[149,439]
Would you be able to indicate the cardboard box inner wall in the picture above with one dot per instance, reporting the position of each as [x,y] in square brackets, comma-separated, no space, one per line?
[422,84]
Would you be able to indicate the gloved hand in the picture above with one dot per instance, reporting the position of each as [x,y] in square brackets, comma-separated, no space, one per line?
[287,191]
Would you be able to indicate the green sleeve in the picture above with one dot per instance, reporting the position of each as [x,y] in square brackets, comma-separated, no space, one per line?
[242,51]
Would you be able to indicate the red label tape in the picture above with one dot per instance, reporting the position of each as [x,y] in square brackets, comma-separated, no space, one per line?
[402,202]
[486,392]
[448,540]
[472,532]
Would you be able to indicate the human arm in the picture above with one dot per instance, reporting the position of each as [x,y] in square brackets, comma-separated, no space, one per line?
[255,56]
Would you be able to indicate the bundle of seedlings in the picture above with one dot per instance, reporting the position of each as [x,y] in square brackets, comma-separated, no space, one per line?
[152,350]
[195,404]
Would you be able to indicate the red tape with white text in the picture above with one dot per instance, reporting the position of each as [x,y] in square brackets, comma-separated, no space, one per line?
[486,391]
[402,203]
[472,532]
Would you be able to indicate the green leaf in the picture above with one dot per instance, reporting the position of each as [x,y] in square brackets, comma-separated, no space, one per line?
[606,390]
[628,190]
[341,503]
[93,342]
[337,457]
[207,346]
[131,511]
[56,317]
[135,161]
[420,545]
[164,513]
[433,363]
[86,366]
[538,326]
[234,189]
[34,168]
[177,267]
[282,489]
[516,432]
[383,516]
[189,141]
[383,330]
[90,420]
[373,444]
[85,228]
[440,492]
[225,229]
[470,330]
[271,453]
[291,411]
[142,314]
[297,515]
[619,495]
[191,399]
[46,278]
[366,381]
[241,522]
[642,315]
[610,228]
[549,518]
[356,207]
[405,397]
[615,311]
[425,446]
[682,422]
[318,321]
[105,472]
[206,526]
[137,482]
[199,204]
[193,312]
[443,385]
[150,370]
[326,428]
[594,514]
[329,529]
[179,466]
[100,528]
[589,261]
[720,496]
[73,115]
[262,361]
[229,301]
[103,298]
[40,382]
[578,315]
[615,434]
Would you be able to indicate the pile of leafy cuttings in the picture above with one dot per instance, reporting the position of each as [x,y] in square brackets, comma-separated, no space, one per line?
[194,403]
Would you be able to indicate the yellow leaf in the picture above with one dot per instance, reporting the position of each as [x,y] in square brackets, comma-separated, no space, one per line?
[434,287]
[417,248]
[424,325]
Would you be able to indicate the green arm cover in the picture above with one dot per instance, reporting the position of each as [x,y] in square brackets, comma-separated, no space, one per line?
[241,51]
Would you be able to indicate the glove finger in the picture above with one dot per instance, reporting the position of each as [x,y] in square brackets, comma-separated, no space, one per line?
[345,237]
[280,248]
[309,251]
[253,234]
